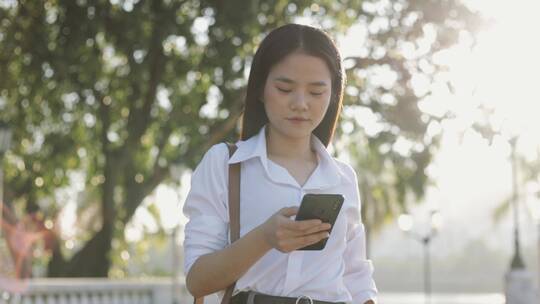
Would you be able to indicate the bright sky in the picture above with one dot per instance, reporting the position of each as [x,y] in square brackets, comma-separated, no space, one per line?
[472,176]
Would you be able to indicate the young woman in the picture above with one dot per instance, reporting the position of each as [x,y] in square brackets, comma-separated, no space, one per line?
[292,105]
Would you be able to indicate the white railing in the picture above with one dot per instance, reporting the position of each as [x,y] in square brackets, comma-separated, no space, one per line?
[94,291]
[164,291]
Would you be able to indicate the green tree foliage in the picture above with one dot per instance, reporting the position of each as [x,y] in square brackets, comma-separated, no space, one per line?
[113,95]
[122,91]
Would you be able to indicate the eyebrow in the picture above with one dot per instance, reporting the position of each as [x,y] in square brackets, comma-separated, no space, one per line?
[287,80]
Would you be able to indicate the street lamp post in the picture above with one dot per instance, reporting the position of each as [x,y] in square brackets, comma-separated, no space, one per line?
[5,142]
[518,280]
[538,253]
[517,261]
[536,216]
[405,223]
[175,265]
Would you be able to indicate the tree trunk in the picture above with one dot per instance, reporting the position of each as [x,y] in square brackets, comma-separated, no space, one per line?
[57,264]
[91,261]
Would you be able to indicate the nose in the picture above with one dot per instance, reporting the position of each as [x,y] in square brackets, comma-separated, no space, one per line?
[299,101]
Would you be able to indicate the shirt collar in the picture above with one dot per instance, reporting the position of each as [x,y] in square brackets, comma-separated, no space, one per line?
[327,173]
[255,146]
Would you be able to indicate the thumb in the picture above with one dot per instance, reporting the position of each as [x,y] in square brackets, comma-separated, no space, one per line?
[288,211]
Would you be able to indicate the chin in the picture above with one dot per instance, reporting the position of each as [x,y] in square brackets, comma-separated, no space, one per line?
[295,132]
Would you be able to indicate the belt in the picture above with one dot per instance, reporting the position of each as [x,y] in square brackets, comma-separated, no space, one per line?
[252,297]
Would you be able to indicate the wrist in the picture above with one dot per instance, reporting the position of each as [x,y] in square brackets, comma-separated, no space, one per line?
[262,240]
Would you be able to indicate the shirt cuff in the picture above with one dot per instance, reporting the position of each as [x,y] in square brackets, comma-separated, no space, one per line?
[366,296]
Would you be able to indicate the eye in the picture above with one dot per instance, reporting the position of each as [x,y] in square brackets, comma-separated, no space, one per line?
[316,93]
[284,90]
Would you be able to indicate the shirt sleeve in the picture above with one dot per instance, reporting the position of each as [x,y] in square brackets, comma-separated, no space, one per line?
[358,275]
[206,207]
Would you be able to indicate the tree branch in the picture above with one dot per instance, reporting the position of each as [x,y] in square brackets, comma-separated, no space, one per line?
[139,117]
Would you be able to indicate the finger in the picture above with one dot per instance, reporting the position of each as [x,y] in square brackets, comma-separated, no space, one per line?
[319,228]
[288,211]
[315,237]
[298,233]
[306,240]
[300,225]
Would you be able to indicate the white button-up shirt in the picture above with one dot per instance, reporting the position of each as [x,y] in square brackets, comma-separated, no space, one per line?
[338,273]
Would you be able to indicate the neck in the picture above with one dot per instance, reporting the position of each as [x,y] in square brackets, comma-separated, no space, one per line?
[281,146]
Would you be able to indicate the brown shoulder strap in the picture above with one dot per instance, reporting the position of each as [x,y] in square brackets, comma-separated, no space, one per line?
[234,211]
[198,300]
[234,196]
[234,216]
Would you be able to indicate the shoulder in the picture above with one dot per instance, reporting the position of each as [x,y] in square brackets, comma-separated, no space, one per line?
[218,151]
[346,170]
[216,156]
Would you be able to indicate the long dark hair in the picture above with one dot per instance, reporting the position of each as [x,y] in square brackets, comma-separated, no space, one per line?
[277,45]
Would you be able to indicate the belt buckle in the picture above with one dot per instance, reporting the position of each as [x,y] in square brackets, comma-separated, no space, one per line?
[251,296]
[302,297]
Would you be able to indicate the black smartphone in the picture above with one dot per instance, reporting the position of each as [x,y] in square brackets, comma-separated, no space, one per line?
[325,207]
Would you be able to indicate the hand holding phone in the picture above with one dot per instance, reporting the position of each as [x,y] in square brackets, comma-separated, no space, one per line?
[324,207]
[284,234]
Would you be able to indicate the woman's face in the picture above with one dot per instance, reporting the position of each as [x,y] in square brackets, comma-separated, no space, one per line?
[297,94]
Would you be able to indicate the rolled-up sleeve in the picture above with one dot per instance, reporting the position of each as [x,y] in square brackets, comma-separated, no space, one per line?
[358,275]
[206,207]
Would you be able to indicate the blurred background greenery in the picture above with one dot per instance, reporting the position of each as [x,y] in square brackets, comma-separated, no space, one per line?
[110,100]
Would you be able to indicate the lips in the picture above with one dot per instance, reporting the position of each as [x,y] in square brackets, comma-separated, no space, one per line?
[297,119]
